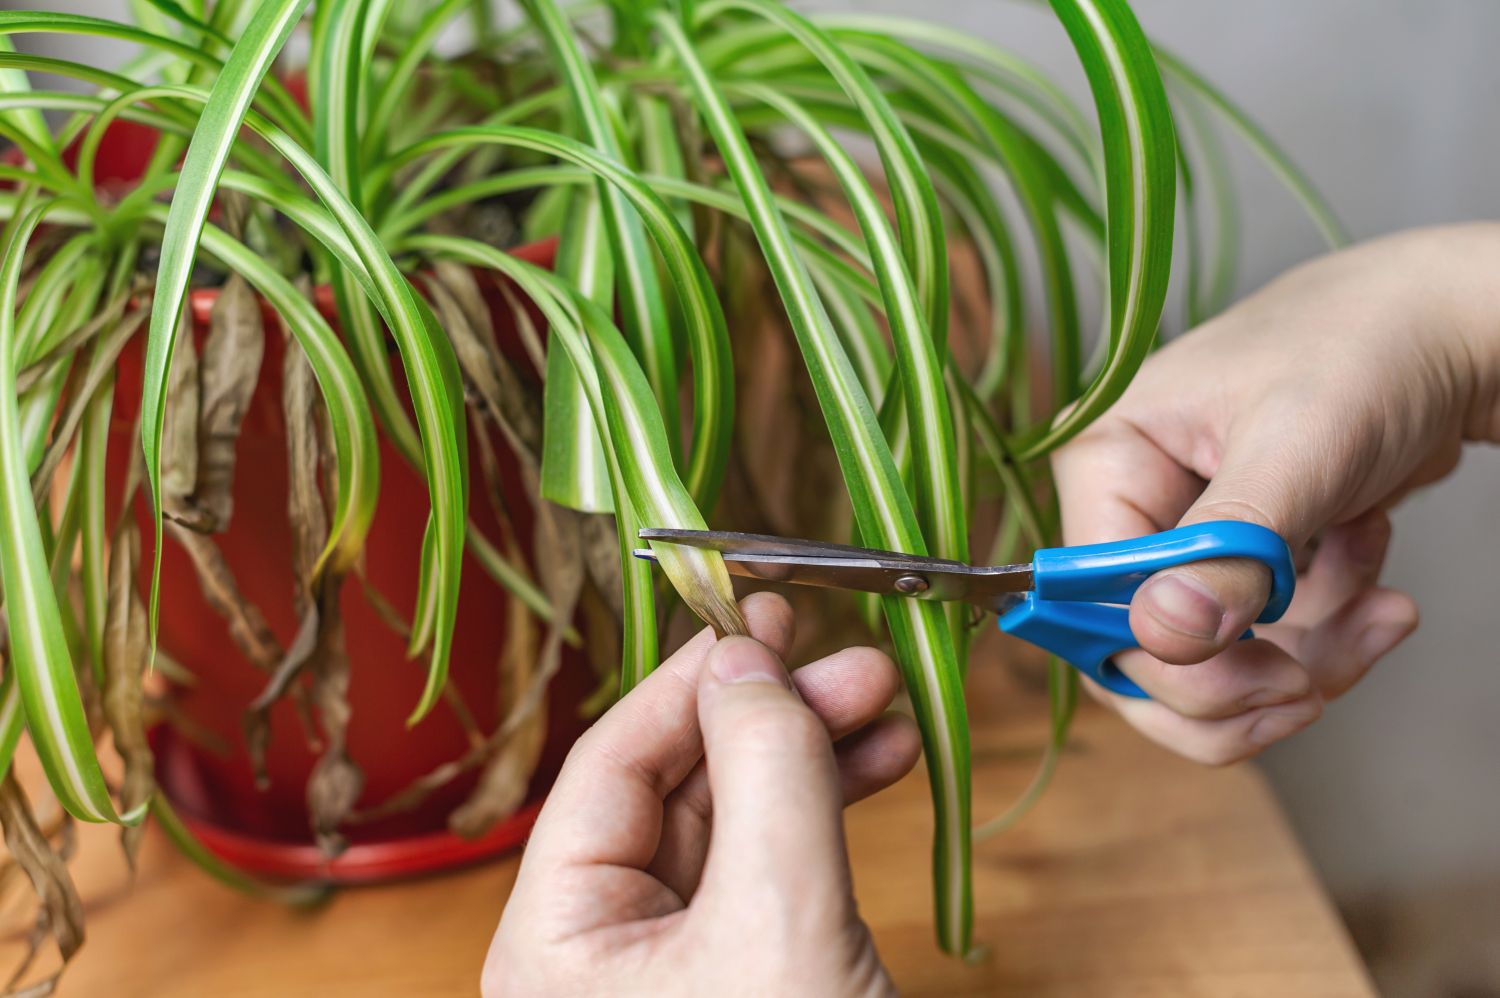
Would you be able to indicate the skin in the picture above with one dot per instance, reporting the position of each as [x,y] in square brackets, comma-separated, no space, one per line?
[1312,407]
[694,841]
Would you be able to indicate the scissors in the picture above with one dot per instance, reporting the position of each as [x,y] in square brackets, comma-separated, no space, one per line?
[1070,601]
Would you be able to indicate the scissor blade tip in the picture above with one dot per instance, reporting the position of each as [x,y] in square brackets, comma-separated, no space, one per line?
[645,554]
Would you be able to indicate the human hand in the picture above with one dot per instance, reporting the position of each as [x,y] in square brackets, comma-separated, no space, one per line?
[1311,408]
[693,842]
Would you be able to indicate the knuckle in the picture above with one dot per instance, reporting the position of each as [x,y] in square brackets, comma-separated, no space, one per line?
[595,754]
[1250,507]
[699,804]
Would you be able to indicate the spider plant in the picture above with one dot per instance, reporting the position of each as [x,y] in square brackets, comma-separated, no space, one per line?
[651,138]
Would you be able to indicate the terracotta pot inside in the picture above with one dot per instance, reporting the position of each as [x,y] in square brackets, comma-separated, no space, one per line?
[203,764]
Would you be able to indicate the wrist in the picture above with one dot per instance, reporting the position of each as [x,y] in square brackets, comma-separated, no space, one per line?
[1459,274]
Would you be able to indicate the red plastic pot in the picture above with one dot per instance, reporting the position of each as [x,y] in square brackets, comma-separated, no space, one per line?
[267,830]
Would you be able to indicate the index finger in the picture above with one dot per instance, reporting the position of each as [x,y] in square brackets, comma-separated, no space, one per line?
[1114,482]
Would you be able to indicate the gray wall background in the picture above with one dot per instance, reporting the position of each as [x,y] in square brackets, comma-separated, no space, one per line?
[1390,107]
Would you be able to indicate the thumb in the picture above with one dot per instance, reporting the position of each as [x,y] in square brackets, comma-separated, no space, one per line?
[1190,613]
[777,808]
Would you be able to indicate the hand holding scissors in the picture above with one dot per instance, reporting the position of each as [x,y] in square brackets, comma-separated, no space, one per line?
[1068,600]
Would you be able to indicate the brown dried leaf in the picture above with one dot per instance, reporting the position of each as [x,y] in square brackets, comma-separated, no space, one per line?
[179,439]
[302,408]
[236,209]
[230,370]
[336,782]
[419,789]
[489,473]
[503,783]
[531,337]
[526,671]
[258,715]
[247,625]
[108,316]
[557,539]
[100,366]
[511,751]
[601,646]
[528,662]
[125,655]
[599,542]
[253,636]
[507,400]
[61,912]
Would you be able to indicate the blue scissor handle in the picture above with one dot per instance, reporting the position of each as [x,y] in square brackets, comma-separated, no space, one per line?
[1075,611]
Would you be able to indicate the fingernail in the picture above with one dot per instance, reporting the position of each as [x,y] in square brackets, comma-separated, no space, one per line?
[1278,724]
[745,660]
[1183,604]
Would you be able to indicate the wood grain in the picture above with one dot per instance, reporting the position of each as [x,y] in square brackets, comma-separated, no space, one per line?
[1138,874]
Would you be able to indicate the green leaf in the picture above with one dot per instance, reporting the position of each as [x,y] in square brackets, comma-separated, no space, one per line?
[917,214]
[40,655]
[357,453]
[574,472]
[335,78]
[27,121]
[207,155]
[1140,153]
[981,61]
[941,508]
[1303,189]
[708,338]
[277,102]
[641,306]
[12,718]
[432,370]
[396,86]
[882,509]
[1208,293]
[647,488]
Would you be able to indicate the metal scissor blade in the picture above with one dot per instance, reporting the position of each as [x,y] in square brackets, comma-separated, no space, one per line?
[841,566]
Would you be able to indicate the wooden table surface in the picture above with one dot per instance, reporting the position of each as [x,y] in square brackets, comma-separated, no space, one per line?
[1138,874]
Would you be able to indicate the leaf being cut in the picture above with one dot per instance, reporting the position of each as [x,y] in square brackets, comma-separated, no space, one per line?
[639,457]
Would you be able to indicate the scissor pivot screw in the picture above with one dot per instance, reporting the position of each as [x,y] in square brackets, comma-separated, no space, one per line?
[911,585]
